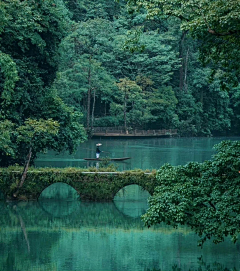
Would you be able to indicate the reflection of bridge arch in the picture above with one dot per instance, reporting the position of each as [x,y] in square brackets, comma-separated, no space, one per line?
[132,192]
[91,186]
[59,208]
[132,200]
[59,200]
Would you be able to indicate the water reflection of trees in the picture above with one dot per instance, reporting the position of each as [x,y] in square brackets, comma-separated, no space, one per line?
[20,246]
[29,224]
[45,232]
[72,214]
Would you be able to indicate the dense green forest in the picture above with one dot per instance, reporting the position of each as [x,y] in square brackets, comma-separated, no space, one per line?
[69,66]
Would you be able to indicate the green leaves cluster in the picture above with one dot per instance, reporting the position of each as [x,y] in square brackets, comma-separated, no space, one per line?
[34,134]
[10,76]
[30,33]
[215,24]
[6,135]
[203,196]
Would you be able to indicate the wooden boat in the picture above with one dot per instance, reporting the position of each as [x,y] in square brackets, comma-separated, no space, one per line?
[111,159]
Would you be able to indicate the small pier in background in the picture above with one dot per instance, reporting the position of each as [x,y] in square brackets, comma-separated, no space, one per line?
[120,132]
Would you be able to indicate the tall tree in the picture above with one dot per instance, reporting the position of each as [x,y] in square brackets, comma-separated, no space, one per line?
[80,68]
[129,90]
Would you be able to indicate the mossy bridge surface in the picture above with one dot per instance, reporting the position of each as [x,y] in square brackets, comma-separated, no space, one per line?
[91,186]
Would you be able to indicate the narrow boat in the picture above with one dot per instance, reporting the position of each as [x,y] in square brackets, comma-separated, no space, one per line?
[111,159]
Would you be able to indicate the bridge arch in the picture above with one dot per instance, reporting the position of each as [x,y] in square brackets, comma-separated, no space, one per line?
[90,186]
[59,191]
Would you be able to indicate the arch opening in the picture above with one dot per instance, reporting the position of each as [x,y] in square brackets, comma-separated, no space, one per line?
[59,200]
[132,200]
[59,191]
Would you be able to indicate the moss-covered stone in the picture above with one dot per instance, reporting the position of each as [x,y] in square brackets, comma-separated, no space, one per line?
[99,185]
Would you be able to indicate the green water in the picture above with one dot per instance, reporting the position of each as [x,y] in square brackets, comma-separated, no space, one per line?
[98,236]
[59,233]
[145,153]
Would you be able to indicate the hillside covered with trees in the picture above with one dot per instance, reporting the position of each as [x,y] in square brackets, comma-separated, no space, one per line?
[119,59]
[69,66]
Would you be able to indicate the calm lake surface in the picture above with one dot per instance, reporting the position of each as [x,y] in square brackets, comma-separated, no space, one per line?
[61,233]
[145,153]
[78,236]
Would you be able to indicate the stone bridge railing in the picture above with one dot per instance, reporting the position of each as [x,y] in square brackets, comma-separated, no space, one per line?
[91,186]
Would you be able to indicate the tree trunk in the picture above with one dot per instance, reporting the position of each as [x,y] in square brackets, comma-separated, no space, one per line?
[88,108]
[125,112]
[201,97]
[24,175]
[181,50]
[185,73]
[93,108]
[89,94]
[23,227]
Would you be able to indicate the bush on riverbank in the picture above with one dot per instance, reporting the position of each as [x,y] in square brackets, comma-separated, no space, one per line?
[204,196]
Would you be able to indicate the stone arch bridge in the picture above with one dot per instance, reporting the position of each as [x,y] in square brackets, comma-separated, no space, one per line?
[91,186]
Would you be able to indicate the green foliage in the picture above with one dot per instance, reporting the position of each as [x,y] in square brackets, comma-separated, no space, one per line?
[105,162]
[158,56]
[7,147]
[96,55]
[82,10]
[82,80]
[10,75]
[201,196]
[36,134]
[30,33]
[214,23]
[68,71]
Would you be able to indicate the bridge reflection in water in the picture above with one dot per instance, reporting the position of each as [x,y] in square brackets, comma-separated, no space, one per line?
[59,232]
[61,200]
[95,236]
[132,200]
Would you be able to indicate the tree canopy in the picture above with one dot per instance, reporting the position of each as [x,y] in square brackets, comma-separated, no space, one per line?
[30,34]
[66,60]
[215,24]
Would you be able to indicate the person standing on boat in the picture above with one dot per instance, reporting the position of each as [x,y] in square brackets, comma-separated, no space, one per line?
[98,150]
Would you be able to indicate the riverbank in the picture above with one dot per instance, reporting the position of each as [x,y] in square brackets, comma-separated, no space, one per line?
[120,132]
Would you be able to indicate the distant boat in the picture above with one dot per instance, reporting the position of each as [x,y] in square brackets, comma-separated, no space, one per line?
[111,159]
